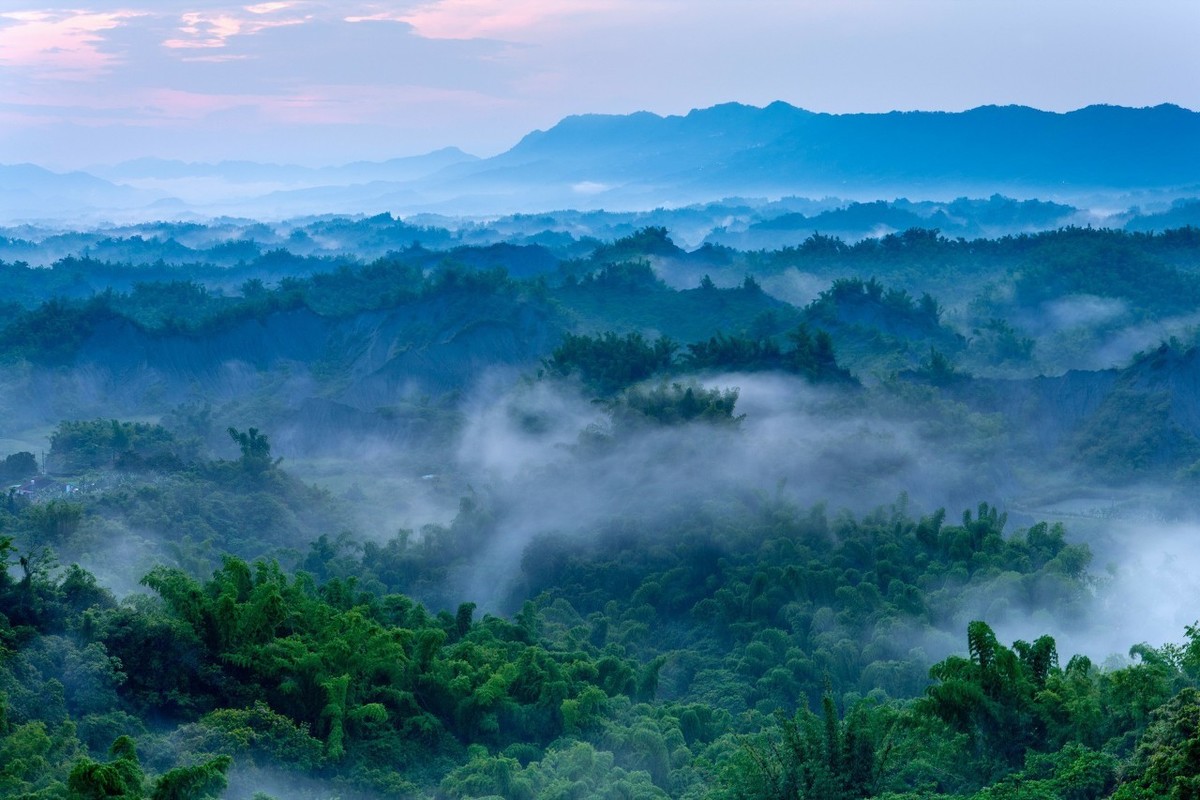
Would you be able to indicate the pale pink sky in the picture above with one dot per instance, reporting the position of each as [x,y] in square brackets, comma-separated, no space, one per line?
[321,82]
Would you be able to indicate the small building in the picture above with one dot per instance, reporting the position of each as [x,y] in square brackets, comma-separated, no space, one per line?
[40,486]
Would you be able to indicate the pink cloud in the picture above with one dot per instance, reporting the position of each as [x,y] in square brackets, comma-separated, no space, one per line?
[313,105]
[268,8]
[59,45]
[213,29]
[470,19]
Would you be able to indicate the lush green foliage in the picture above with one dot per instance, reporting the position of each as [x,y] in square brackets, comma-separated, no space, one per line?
[730,644]
[78,445]
[610,363]
[702,683]
[17,466]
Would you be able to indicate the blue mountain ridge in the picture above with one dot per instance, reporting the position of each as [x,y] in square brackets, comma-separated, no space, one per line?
[644,160]
[739,147]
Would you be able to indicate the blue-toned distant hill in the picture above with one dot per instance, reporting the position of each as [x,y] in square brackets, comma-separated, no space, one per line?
[737,148]
[644,161]
[395,169]
[155,188]
[1182,213]
[28,191]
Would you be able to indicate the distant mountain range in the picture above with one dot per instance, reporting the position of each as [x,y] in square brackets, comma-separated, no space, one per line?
[644,160]
[29,191]
[781,149]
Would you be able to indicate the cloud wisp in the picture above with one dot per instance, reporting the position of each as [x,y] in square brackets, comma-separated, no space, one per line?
[498,19]
[543,478]
[210,30]
[62,46]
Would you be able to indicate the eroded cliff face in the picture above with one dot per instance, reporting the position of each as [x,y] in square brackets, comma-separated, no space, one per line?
[294,367]
[1049,409]
[386,375]
[437,347]
[1142,418]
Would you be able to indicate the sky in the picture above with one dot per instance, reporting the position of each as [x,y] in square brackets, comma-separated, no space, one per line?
[314,82]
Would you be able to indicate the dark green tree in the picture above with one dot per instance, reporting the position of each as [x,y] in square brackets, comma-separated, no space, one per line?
[256,450]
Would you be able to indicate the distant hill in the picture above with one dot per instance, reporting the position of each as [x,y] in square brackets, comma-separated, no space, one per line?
[395,169]
[643,161]
[738,148]
[28,191]
[1142,418]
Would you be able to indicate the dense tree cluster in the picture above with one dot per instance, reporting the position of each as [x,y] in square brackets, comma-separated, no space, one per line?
[746,663]
[731,644]
[609,363]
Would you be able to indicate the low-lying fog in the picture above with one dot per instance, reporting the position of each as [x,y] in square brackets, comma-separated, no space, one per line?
[548,461]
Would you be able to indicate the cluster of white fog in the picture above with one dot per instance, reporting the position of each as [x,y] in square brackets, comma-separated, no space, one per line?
[532,449]
[547,460]
[1093,333]
[535,450]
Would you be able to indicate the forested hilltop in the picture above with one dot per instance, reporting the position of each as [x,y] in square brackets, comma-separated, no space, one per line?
[383,508]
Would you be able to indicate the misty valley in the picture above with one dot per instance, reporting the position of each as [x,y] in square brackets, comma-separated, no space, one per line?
[742,499]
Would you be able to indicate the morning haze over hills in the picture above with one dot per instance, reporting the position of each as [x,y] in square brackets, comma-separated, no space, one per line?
[642,160]
[748,453]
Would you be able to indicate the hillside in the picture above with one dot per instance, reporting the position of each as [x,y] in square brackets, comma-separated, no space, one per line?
[780,149]
[641,161]
[565,516]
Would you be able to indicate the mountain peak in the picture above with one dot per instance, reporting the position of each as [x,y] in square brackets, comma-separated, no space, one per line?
[780,149]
